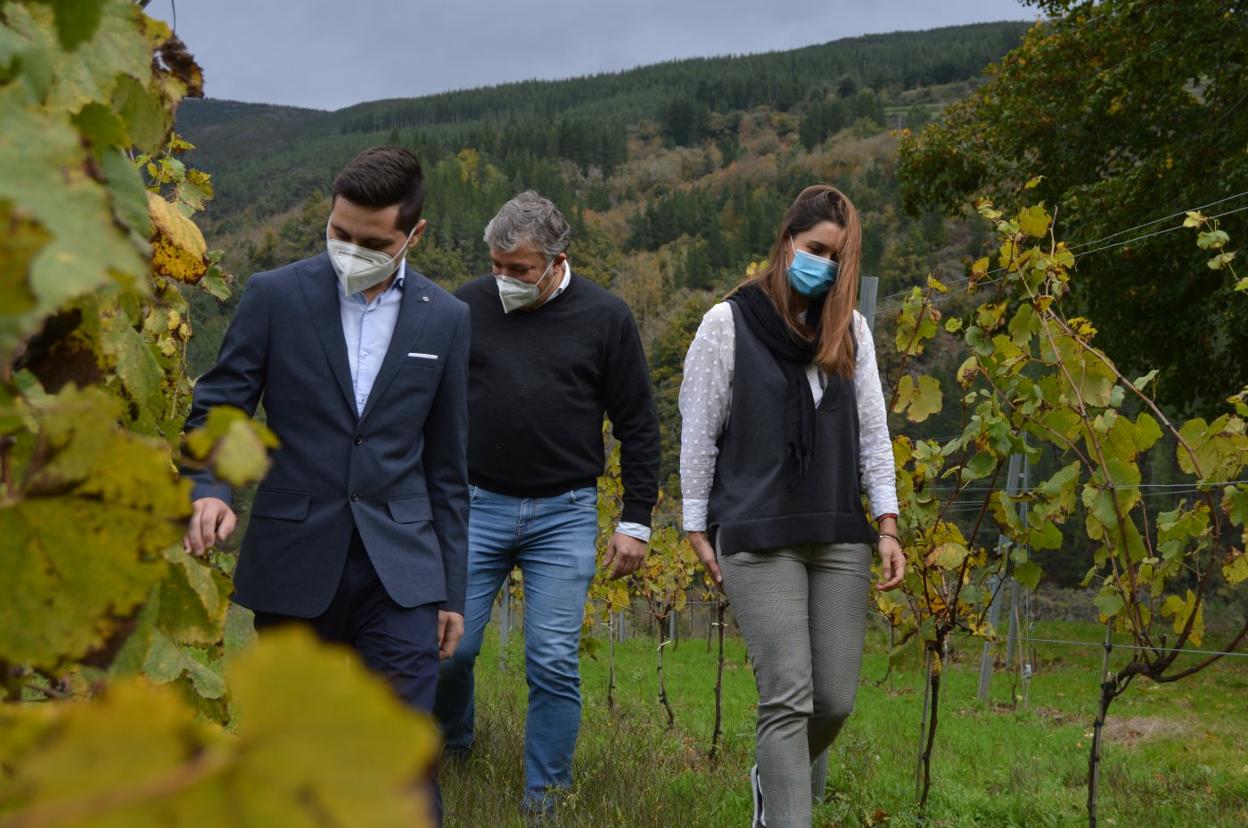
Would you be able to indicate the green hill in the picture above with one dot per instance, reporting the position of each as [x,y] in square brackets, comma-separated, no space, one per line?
[267,157]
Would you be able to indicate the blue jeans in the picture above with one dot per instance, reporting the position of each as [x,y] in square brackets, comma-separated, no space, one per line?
[552,540]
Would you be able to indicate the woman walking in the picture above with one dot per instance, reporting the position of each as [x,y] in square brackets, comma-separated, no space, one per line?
[784,426]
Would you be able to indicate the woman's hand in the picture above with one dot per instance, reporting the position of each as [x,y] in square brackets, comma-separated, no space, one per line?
[892,564]
[706,554]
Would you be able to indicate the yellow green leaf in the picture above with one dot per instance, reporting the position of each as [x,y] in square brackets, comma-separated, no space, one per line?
[47,178]
[949,555]
[1034,220]
[1181,609]
[235,445]
[1109,601]
[178,247]
[1235,568]
[1221,260]
[319,741]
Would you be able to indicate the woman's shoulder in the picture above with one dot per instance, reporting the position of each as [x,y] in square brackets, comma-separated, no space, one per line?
[863,337]
[717,321]
[861,326]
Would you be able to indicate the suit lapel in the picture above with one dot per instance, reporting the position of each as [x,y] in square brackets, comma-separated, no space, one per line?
[320,291]
[412,313]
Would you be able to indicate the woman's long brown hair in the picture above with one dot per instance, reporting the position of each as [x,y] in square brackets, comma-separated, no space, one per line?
[834,352]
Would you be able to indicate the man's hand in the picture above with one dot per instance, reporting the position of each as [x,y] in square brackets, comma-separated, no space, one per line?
[212,520]
[450,631]
[706,554]
[624,555]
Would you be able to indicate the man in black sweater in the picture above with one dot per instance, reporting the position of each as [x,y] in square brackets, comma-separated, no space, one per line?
[550,355]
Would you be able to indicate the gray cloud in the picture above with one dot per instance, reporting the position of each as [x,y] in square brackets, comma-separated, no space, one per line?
[329,53]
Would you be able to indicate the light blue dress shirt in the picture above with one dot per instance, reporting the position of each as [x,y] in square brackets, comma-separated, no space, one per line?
[367,328]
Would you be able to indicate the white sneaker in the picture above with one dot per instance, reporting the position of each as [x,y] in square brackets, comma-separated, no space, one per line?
[756,785]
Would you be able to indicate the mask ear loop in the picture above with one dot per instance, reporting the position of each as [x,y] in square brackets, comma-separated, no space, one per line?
[549,271]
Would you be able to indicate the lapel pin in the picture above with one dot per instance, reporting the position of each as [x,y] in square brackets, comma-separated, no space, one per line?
[424,298]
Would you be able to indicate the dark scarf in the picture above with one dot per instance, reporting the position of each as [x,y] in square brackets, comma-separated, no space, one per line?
[792,355]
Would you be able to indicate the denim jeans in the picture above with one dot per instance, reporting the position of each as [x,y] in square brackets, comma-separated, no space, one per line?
[552,540]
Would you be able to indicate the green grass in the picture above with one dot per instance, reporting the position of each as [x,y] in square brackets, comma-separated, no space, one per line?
[1176,755]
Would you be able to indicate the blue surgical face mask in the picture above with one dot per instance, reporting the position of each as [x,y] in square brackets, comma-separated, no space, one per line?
[811,275]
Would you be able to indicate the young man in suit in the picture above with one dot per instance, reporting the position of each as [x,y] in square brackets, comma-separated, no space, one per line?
[359,529]
[551,354]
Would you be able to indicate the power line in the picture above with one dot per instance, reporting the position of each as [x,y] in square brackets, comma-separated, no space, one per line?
[1157,220]
[959,279]
[1154,233]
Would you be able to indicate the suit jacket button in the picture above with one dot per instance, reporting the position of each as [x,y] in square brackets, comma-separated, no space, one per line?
[355,496]
[359,441]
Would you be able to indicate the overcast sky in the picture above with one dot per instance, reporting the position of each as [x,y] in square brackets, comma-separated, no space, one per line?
[329,54]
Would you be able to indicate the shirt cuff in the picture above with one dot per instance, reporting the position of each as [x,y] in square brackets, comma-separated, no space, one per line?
[635,530]
[695,515]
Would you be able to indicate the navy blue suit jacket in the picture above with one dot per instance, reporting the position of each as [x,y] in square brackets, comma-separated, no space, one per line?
[397,472]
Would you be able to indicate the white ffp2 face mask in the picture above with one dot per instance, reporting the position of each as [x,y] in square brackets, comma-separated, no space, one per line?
[359,268]
[516,294]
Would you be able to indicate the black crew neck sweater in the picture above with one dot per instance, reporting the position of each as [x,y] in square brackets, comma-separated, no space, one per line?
[539,383]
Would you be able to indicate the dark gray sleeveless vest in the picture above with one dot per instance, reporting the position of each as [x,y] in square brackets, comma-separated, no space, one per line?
[756,503]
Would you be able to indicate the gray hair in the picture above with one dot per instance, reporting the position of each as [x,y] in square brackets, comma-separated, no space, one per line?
[529,220]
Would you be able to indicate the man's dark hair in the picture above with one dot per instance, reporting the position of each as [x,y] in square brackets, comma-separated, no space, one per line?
[382,176]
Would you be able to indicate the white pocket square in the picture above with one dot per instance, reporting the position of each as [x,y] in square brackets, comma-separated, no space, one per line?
[423,356]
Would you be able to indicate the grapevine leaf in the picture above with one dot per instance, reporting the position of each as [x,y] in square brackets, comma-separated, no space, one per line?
[146,118]
[193,599]
[76,20]
[1181,609]
[927,400]
[1028,574]
[45,172]
[21,240]
[1143,381]
[1045,536]
[1235,502]
[1033,220]
[82,549]
[979,466]
[167,662]
[949,555]
[128,197]
[348,754]
[967,371]
[179,251]
[87,73]
[1221,260]
[235,444]
[1235,569]
[1147,432]
[1221,447]
[1212,240]
[214,283]
[1109,601]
